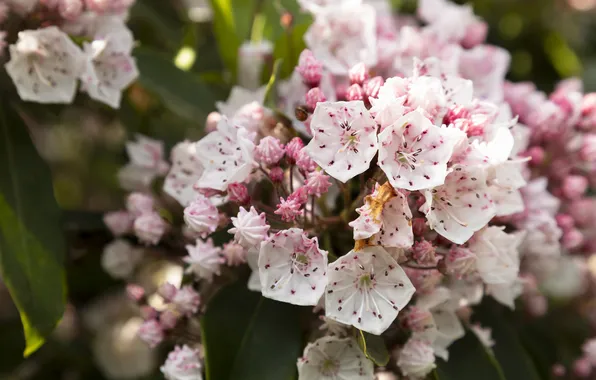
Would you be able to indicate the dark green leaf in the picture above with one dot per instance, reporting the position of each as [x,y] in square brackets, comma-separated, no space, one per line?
[31,244]
[249,337]
[508,349]
[373,347]
[182,92]
[468,360]
[288,47]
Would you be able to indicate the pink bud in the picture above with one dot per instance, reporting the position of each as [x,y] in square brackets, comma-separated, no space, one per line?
[536,304]
[583,211]
[167,291]
[269,151]
[341,90]
[138,204]
[238,193]
[187,300]
[475,34]
[118,222]
[354,92]
[151,332]
[300,195]
[588,150]
[276,174]
[147,312]
[304,162]
[135,292]
[288,209]
[358,74]
[314,96]
[418,319]
[574,186]
[459,261]
[317,183]
[309,68]
[582,367]
[149,228]
[536,154]
[293,149]
[234,253]
[423,252]
[565,221]
[372,86]
[424,280]
[212,120]
[558,370]
[419,226]
[168,319]
[572,239]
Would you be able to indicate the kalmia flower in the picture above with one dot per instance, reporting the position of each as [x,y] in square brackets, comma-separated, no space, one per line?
[334,358]
[238,193]
[367,289]
[292,268]
[184,173]
[234,253]
[201,215]
[138,204]
[182,364]
[416,358]
[204,259]
[151,332]
[317,183]
[118,222]
[150,228]
[269,151]
[250,227]
[186,300]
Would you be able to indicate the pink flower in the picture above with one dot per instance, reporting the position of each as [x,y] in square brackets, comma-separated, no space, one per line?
[182,364]
[313,96]
[151,332]
[250,227]
[149,228]
[138,204]
[168,319]
[317,183]
[288,209]
[187,300]
[293,149]
[354,92]
[276,174]
[309,68]
[269,151]
[167,291]
[135,292]
[238,193]
[202,216]
[372,86]
[118,222]
[292,268]
[344,138]
[304,162]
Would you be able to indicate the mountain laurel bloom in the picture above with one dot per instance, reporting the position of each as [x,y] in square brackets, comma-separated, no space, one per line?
[250,227]
[201,216]
[334,358]
[204,259]
[182,364]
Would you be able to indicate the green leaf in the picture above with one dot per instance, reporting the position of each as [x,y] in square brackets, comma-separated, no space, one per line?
[468,360]
[508,348]
[249,337]
[182,92]
[289,46]
[270,94]
[373,347]
[31,239]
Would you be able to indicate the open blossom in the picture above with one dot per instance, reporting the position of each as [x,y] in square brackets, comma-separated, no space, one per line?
[109,68]
[497,257]
[182,364]
[227,155]
[201,215]
[344,138]
[293,268]
[186,300]
[149,228]
[184,173]
[45,65]
[414,153]
[367,289]
[460,207]
[331,358]
[250,227]
[416,359]
[386,218]
[204,259]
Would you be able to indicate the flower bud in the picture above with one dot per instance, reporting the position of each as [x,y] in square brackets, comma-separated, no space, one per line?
[138,204]
[269,151]
[238,193]
[582,367]
[304,162]
[202,216]
[423,252]
[276,174]
[536,154]
[119,259]
[358,74]
[475,34]
[574,186]
[149,228]
[293,149]
[234,253]
[572,239]
[459,261]
[168,319]
[151,332]
[212,120]
[565,221]
[372,86]
[588,112]
[70,9]
[354,92]
[419,226]
[314,96]
[317,183]
[118,222]
[167,291]
[135,292]
[147,312]
[309,68]
[187,300]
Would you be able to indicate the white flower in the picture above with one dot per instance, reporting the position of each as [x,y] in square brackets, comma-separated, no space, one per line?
[460,207]
[252,259]
[110,68]
[331,358]
[342,36]
[367,289]
[393,227]
[506,293]
[413,152]
[484,335]
[227,155]
[250,227]
[149,228]
[292,268]
[182,364]
[201,215]
[119,258]
[186,170]
[416,359]
[344,138]
[238,98]
[204,259]
[146,162]
[497,257]
[333,327]
[44,65]
[486,66]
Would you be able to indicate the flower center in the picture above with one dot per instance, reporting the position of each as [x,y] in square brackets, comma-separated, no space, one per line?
[366,281]
[302,259]
[329,367]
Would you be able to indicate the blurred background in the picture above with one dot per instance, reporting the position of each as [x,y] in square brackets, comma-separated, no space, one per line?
[548,39]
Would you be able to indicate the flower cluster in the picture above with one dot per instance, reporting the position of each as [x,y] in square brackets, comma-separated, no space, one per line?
[399,189]
[46,65]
